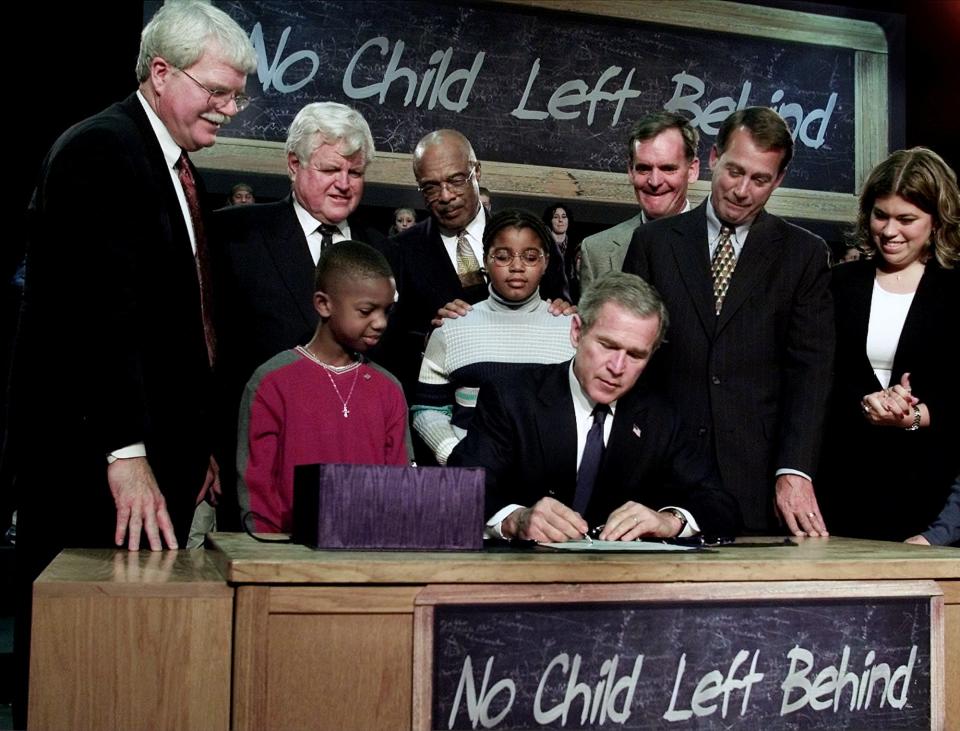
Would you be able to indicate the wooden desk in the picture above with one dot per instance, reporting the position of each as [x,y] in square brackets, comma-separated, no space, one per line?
[324,640]
[131,641]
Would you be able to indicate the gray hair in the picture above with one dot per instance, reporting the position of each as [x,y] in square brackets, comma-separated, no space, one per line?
[625,290]
[180,32]
[443,137]
[329,123]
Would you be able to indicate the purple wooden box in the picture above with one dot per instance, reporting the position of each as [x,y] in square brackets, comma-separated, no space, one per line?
[388,507]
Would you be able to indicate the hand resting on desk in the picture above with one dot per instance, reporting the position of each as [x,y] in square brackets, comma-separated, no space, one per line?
[550,521]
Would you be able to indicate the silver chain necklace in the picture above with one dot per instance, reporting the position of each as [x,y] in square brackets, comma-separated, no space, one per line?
[327,368]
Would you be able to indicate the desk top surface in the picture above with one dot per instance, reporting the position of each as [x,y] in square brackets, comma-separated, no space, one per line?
[115,572]
[243,560]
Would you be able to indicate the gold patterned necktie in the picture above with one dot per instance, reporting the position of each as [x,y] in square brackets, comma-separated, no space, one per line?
[189,185]
[722,266]
[468,268]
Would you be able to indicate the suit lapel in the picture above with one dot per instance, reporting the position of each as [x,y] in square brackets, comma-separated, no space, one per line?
[620,239]
[914,327]
[624,455]
[857,306]
[176,226]
[288,248]
[759,250]
[691,254]
[557,432]
[439,260]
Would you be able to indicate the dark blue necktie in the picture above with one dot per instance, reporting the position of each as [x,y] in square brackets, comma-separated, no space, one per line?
[327,232]
[590,462]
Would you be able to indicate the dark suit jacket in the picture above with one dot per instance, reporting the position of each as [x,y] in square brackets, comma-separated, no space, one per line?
[752,383]
[427,280]
[525,436]
[110,349]
[882,482]
[264,275]
[265,285]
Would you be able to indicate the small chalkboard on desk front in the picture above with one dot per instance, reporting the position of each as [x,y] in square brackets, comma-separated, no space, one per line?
[776,655]
[547,89]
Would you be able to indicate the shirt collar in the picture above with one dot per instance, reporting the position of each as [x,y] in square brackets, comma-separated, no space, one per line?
[474,229]
[309,224]
[171,150]
[686,207]
[739,235]
[583,405]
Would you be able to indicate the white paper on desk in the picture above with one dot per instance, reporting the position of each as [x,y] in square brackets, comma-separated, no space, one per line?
[598,545]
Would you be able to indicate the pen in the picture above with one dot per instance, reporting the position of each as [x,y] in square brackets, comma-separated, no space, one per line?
[597,529]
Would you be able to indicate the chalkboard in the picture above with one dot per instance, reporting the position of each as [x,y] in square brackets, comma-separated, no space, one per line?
[758,663]
[558,90]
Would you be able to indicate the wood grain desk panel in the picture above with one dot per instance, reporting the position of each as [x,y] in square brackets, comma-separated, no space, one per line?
[354,610]
[131,641]
[324,639]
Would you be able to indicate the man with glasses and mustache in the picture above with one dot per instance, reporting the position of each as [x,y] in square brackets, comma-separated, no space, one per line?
[264,258]
[437,261]
[109,433]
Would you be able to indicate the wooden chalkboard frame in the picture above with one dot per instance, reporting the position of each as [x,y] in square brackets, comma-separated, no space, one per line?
[871,111]
[653,593]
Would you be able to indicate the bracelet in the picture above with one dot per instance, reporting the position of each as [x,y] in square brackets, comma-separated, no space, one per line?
[916,419]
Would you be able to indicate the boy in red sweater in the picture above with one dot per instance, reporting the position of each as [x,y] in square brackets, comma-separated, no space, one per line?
[323,402]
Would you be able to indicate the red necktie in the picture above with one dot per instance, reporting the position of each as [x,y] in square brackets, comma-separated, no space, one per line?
[203,254]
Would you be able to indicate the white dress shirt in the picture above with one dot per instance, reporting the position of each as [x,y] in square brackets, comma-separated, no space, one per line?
[309,224]
[474,231]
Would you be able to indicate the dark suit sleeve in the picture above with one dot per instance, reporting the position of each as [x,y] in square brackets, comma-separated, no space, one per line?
[491,443]
[807,366]
[694,484]
[652,460]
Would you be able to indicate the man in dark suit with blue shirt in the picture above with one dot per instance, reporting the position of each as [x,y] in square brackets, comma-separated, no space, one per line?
[749,358]
[582,444]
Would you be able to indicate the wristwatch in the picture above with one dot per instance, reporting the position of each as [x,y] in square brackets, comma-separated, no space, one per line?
[679,516]
[916,419]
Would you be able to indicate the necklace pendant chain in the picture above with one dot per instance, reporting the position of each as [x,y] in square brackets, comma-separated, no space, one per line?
[355,367]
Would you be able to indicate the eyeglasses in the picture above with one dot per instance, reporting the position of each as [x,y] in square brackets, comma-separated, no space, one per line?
[221,97]
[455,184]
[527,257]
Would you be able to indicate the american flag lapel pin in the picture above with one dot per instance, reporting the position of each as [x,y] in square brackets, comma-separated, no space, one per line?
[636,431]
